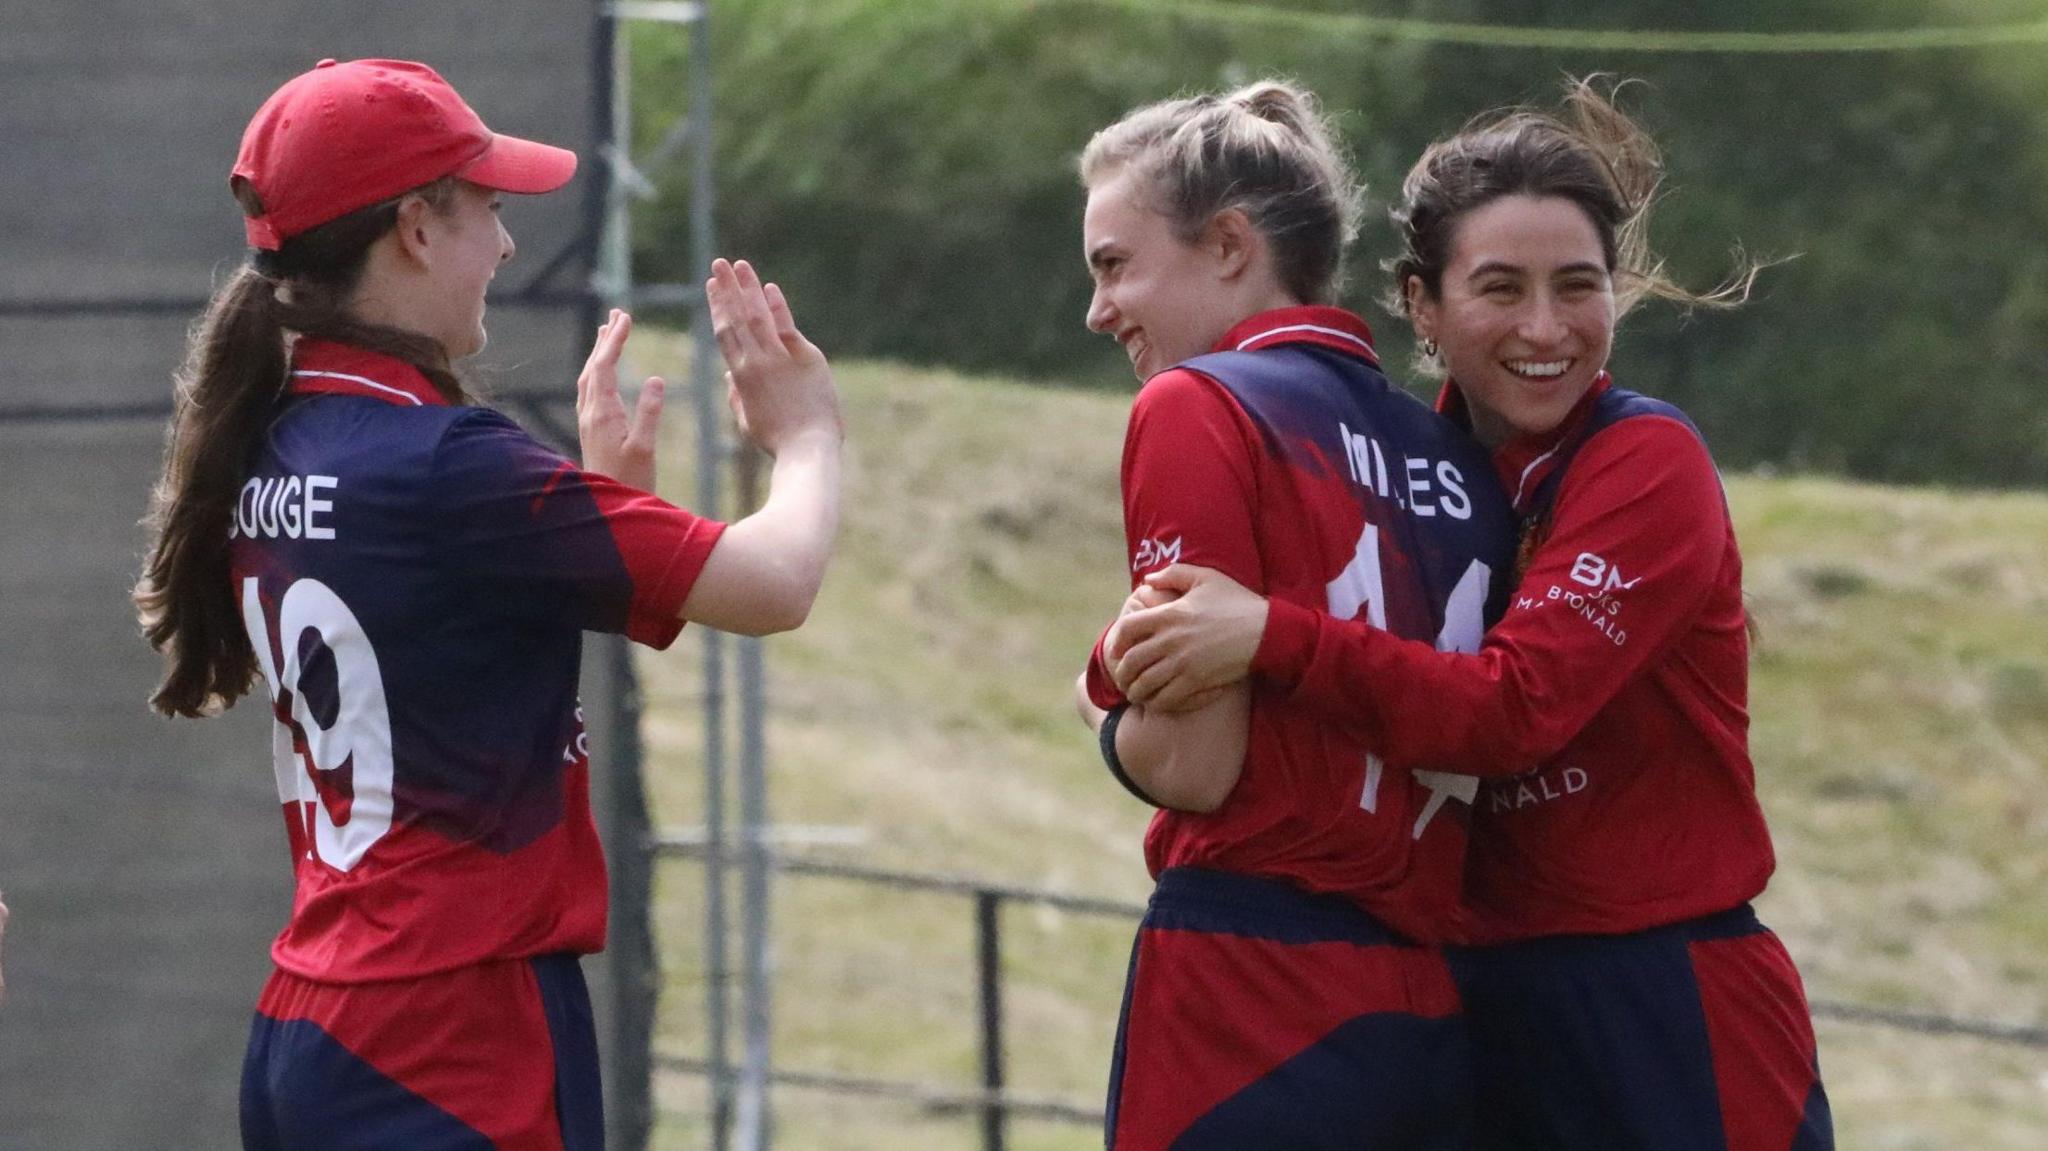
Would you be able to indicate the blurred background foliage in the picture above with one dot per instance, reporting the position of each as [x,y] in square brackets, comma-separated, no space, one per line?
[906,170]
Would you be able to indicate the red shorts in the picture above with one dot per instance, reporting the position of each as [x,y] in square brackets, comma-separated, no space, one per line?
[499,1055]
[1258,1015]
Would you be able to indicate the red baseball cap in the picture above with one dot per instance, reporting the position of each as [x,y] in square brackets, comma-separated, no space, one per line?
[348,135]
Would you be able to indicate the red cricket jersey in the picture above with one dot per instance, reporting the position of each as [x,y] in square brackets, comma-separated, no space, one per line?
[416,579]
[1286,461]
[1608,707]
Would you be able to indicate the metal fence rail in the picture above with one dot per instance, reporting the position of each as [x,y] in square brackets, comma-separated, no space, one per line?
[994,1102]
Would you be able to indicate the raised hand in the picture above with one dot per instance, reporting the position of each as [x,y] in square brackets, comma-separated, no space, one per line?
[778,382]
[613,444]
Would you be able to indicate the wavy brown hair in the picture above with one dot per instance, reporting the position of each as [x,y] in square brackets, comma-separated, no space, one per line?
[1589,152]
[237,357]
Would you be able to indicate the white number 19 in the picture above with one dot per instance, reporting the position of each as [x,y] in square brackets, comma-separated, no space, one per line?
[358,736]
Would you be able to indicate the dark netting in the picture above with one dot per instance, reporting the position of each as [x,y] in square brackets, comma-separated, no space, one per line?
[144,858]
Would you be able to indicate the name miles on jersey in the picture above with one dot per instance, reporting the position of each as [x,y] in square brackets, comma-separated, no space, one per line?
[1426,486]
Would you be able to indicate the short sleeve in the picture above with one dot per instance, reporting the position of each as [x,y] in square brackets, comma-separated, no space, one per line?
[1189,486]
[536,537]
[1189,480]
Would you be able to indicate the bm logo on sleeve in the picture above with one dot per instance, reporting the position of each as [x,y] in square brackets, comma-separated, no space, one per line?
[1599,605]
[1154,553]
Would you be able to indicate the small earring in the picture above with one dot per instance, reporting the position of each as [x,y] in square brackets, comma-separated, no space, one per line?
[1429,347]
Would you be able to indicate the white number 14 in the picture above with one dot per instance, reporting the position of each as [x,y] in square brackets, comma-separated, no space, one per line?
[1362,586]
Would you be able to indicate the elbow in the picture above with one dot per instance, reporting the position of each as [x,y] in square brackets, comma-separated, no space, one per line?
[786,596]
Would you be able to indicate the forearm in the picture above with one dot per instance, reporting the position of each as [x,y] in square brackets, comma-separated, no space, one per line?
[1190,760]
[1480,714]
[765,572]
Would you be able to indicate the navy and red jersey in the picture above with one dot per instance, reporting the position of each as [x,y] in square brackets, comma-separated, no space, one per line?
[1608,708]
[1287,461]
[415,578]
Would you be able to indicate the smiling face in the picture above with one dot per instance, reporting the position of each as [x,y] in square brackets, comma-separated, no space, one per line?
[1164,299]
[1525,315]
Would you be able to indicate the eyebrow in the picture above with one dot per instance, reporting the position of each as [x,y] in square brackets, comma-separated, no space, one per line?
[1493,266]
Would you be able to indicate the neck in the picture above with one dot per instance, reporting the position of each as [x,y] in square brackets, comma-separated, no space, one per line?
[1269,297]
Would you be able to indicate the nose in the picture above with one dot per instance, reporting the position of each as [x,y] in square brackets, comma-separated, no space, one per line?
[1101,313]
[1543,321]
[506,248]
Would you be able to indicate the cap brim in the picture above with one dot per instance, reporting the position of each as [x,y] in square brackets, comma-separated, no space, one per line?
[511,164]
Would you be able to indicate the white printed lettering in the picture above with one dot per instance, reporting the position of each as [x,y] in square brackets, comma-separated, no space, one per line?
[1152,553]
[316,506]
[1419,488]
[288,506]
[1456,502]
[1597,573]
[283,507]
[266,507]
[1535,788]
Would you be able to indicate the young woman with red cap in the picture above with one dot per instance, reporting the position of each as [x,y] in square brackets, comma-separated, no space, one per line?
[1627,996]
[408,575]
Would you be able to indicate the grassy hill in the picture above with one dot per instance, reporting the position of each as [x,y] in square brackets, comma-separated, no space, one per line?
[1900,704]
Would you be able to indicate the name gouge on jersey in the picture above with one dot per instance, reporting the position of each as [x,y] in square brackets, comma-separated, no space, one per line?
[284,507]
[1425,486]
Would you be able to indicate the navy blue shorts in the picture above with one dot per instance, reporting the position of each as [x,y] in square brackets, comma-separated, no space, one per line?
[1691,1037]
[1259,1016]
[500,1055]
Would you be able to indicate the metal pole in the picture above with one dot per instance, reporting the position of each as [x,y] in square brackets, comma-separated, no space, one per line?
[988,953]
[705,378]
[756,1118]
[633,963]
[630,966]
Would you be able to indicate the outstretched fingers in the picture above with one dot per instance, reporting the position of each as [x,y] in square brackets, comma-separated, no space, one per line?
[590,361]
[647,413]
[599,380]
[739,313]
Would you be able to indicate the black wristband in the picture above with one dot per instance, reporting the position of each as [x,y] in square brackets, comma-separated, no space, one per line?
[1109,756]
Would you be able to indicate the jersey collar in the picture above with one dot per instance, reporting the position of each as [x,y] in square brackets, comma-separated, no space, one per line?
[1304,324]
[325,367]
[1524,462]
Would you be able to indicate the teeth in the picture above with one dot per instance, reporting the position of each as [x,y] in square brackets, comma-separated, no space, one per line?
[1549,369]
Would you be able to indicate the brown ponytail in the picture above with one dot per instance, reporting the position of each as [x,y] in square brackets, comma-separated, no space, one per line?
[224,397]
